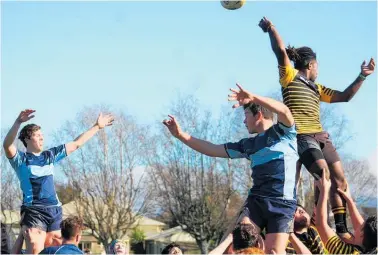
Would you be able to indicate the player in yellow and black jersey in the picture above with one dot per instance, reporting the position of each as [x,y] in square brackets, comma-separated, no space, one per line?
[302,95]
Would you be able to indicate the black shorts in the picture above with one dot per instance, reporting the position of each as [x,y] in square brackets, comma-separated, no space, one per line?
[274,214]
[45,218]
[312,147]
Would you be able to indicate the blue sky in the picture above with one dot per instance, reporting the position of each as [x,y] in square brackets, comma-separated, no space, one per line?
[58,57]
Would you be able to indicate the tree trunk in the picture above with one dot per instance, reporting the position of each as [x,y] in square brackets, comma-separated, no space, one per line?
[204,246]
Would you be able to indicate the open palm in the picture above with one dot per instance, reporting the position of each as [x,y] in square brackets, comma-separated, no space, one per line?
[242,96]
[369,68]
[25,115]
[105,120]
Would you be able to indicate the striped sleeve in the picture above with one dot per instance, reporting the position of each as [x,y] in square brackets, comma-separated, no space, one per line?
[335,245]
[290,248]
[287,74]
[325,93]
[317,246]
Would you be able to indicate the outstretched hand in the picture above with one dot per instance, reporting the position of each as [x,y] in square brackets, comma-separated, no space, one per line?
[172,126]
[242,96]
[265,24]
[25,115]
[104,120]
[368,69]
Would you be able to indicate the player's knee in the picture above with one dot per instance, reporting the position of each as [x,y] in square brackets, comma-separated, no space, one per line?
[339,182]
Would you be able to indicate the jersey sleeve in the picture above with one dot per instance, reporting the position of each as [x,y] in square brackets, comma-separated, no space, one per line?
[236,150]
[325,93]
[283,130]
[17,160]
[58,153]
[317,246]
[287,74]
[335,245]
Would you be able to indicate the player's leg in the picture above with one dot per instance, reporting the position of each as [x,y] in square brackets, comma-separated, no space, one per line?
[33,228]
[280,215]
[241,217]
[312,157]
[54,236]
[34,239]
[338,180]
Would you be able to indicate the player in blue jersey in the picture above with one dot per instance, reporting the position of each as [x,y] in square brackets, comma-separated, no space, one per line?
[271,203]
[41,212]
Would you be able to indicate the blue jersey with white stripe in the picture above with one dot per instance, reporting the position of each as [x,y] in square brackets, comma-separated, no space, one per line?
[36,175]
[273,155]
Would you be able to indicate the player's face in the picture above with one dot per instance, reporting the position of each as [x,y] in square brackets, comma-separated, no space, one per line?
[251,121]
[301,218]
[35,141]
[313,66]
[120,248]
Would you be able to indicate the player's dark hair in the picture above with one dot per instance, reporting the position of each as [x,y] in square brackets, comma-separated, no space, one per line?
[301,57]
[27,132]
[370,233]
[71,226]
[244,236]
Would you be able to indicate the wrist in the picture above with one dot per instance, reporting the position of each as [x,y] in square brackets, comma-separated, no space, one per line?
[269,28]
[362,77]
[182,136]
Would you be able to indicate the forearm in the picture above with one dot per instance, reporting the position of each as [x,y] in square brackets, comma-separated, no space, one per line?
[283,113]
[353,88]
[321,209]
[299,247]
[84,137]
[348,93]
[356,218]
[278,46]
[204,147]
[17,247]
[12,134]
[222,246]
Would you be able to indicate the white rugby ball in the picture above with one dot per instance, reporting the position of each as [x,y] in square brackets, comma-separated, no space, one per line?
[232,5]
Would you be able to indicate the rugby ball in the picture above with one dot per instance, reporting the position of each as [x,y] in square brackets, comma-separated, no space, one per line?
[232,5]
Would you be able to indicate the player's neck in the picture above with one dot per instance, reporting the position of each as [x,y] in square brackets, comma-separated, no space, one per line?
[305,73]
[264,125]
[33,151]
[69,242]
[301,231]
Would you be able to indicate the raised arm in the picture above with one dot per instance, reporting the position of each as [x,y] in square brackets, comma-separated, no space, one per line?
[9,148]
[204,147]
[102,121]
[276,41]
[299,247]
[221,248]
[244,97]
[357,220]
[324,229]
[349,92]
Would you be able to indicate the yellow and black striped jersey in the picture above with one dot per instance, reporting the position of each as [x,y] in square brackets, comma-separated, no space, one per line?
[335,245]
[303,98]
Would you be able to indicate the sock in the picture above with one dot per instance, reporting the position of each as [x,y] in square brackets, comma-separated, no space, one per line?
[339,214]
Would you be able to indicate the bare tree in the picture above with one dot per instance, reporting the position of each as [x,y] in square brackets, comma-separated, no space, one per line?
[110,197]
[196,189]
[11,195]
[362,182]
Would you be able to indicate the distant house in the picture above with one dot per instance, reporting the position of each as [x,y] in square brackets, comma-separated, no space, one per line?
[156,243]
[149,226]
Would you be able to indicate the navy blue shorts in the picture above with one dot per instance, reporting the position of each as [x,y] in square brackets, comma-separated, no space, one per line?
[273,214]
[45,218]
